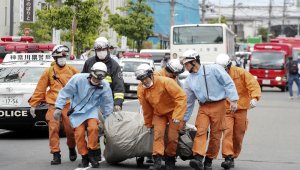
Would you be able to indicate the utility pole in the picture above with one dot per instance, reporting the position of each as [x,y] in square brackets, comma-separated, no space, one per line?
[233,17]
[283,17]
[269,22]
[11,17]
[172,12]
[203,10]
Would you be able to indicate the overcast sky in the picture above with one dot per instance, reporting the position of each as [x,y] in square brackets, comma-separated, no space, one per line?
[247,2]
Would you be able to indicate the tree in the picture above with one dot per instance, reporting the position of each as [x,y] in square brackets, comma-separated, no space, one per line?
[264,33]
[215,21]
[88,13]
[40,31]
[137,25]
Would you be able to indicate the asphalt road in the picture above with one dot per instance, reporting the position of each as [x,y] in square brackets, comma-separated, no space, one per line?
[272,141]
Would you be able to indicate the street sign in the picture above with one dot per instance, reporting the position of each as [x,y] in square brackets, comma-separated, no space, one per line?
[26,10]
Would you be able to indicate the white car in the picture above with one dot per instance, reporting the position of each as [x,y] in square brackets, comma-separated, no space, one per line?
[18,80]
[128,66]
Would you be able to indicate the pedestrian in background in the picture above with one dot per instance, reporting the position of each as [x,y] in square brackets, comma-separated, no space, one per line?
[88,93]
[293,76]
[55,78]
[163,103]
[165,60]
[210,85]
[236,123]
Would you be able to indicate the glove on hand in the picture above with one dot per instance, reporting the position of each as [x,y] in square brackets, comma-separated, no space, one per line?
[253,103]
[57,114]
[176,121]
[150,130]
[233,106]
[117,108]
[32,112]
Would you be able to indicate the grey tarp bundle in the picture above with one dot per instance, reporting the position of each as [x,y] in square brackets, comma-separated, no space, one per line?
[126,137]
[185,144]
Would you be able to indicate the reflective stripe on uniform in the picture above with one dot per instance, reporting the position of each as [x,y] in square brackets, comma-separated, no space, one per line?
[108,79]
[119,95]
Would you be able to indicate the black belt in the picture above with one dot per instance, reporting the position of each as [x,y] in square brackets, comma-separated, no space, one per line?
[211,101]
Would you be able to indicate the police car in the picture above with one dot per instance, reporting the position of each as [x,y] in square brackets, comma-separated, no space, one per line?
[19,75]
[128,66]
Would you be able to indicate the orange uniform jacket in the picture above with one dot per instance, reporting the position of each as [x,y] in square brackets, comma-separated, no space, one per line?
[162,72]
[246,86]
[163,97]
[40,94]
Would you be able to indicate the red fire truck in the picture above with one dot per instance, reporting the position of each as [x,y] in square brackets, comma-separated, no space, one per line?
[267,64]
[293,41]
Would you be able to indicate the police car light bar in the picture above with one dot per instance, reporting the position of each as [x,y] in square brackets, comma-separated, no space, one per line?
[28,57]
[17,39]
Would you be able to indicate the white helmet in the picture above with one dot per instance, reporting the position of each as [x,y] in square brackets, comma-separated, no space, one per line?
[99,70]
[174,66]
[143,71]
[60,51]
[223,60]
[189,55]
[100,43]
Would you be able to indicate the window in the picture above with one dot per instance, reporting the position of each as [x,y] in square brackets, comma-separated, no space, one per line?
[20,74]
[198,35]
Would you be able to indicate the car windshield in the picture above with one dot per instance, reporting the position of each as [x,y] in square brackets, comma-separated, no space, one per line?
[267,60]
[130,66]
[20,74]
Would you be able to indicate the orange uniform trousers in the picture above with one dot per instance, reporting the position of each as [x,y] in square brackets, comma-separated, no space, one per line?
[92,134]
[209,115]
[160,125]
[236,126]
[54,127]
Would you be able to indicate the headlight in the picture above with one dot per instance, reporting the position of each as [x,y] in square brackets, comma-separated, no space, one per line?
[278,78]
[255,77]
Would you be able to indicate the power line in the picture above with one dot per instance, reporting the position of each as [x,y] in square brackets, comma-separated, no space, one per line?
[179,3]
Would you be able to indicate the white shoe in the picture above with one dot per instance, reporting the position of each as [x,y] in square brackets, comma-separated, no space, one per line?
[291,97]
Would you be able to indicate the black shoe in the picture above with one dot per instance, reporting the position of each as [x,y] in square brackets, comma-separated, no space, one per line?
[72,154]
[140,161]
[157,163]
[56,158]
[93,158]
[207,163]
[170,162]
[98,154]
[84,162]
[196,163]
[228,163]
[149,160]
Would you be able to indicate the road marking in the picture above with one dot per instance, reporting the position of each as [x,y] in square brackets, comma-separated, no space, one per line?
[90,166]
[130,101]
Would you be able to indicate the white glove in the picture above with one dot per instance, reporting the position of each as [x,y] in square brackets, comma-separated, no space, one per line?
[233,106]
[150,130]
[57,114]
[117,108]
[176,121]
[32,112]
[253,103]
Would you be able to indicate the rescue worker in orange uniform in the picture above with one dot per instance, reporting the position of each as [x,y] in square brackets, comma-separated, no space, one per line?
[236,123]
[88,92]
[163,102]
[55,78]
[172,69]
[210,85]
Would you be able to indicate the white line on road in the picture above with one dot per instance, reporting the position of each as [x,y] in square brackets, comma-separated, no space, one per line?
[130,101]
[90,166]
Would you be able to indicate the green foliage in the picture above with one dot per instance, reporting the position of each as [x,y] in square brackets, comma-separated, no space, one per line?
[215,21]
[88,13]
[264,33]
[137,24]
[41,32]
